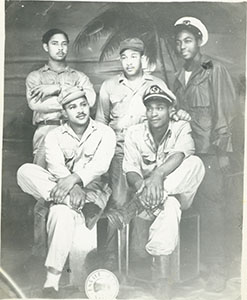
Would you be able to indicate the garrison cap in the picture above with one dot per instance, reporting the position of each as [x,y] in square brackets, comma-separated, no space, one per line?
[194,25]
[133,44]
[71,93]
[156,92]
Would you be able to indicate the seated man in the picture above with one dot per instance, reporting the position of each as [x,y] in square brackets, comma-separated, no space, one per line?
[164,177]
[78,153]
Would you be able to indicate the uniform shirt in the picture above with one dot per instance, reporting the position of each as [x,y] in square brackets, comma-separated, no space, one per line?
[120,106]
[141,154]
[49,108]
[209,98]
[88,157]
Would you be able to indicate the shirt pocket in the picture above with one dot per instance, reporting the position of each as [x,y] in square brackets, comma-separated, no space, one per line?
[148,159]
[69,157]
[119,107]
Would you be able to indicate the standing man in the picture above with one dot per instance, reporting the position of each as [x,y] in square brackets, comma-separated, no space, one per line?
[204,89]
[120,106]
[73,178]
[43,90]
[164,176]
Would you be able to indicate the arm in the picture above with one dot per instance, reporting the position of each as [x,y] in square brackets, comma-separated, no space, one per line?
[225,112]
[84,83]
[104,106]
[41,98]
[101,160]
[224,108]
[67,183]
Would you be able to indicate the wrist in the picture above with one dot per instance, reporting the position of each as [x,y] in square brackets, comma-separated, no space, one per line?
[75,178]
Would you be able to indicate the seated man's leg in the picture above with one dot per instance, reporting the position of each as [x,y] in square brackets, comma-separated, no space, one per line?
[185,180]
[163,233]
[119,188]
[60,227]
[163,239]
[35,181]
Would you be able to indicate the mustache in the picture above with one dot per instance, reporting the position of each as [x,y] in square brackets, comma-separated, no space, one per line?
[81,115]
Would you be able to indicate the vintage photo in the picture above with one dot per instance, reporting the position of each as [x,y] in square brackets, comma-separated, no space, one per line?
[123,150]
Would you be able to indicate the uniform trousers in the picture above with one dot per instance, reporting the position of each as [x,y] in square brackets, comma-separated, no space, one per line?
[183,184]
[210,202]
[37,182]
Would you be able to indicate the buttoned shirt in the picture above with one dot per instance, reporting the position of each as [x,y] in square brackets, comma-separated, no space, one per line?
[88,157]
[49,108]
[121,106]
[142,156]
[209,98]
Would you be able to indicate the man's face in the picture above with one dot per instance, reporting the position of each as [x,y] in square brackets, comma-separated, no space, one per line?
[187,45]
[131,62]
[77,112]
[57,47]
[157,112]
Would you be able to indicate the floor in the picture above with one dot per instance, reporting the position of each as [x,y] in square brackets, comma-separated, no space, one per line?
[17,239]
[30,275]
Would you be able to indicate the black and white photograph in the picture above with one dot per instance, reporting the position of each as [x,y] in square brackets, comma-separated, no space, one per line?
[123,145]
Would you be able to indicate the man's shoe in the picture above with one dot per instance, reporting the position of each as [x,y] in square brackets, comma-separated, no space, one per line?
[50,293]
[92,213]
[216,282]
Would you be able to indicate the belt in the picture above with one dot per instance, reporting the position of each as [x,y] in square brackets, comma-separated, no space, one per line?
[51,122]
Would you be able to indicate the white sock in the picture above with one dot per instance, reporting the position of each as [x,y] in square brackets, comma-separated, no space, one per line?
[52,280]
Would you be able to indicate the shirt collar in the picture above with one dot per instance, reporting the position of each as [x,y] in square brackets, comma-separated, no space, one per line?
[145,77]
[46,67]
[92,126]
[148,137]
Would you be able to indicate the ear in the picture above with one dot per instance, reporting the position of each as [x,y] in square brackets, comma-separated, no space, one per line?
[45,47]
[199,42]
[64,113]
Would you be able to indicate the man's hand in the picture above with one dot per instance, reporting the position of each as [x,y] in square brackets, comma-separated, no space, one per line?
[42,91]
[224,163]
[63,187]
[180,115]
[77,196]
[154,189]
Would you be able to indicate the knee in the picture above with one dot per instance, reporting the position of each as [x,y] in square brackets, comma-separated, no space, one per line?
[61,213]
[196,164]
[172,203]
[24,172]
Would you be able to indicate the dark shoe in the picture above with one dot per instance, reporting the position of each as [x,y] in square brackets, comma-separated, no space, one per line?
[92,213]
[162,289]
[50,292]
[216,282]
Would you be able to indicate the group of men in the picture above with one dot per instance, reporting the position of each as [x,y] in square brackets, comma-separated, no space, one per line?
[146,153]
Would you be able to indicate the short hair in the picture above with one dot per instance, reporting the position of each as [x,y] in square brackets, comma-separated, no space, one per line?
[47,36]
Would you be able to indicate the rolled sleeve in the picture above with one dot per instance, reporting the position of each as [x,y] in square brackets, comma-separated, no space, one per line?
[54,156]
[132,158]
[101,160]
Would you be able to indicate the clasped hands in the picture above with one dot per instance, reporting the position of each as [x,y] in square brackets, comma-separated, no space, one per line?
[151,192]
[67,191]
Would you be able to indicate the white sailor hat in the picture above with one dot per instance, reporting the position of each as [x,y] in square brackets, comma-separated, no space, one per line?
[192,24]
[156,92]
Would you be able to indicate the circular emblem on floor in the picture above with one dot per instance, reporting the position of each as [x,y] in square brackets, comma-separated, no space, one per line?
[101,284]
